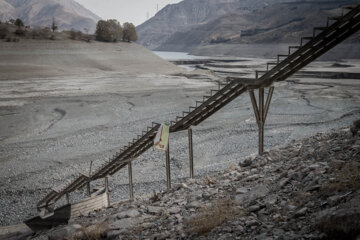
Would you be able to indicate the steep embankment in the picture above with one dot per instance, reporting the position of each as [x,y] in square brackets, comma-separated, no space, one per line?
[33,59]
[67,13]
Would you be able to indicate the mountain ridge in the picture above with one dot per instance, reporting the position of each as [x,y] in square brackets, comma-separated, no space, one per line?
[277,22]
[68,14]
[188,14]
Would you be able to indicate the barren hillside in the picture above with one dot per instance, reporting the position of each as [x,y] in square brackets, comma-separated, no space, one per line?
[278,23]
[188,15]
[45,58]
[67,13]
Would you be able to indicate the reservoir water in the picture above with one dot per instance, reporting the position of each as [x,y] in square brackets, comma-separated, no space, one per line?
[177,55]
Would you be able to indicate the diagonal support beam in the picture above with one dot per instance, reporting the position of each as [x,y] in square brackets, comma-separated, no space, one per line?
[261,112]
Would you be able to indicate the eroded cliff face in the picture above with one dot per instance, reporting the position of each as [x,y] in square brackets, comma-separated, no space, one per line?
[67,13]
[189,14]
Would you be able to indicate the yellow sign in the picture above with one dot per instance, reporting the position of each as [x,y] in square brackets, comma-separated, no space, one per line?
[161,139]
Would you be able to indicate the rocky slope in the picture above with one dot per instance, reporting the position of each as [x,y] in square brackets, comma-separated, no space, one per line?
[309,189]
[278,23]
[189,14]
[67,13]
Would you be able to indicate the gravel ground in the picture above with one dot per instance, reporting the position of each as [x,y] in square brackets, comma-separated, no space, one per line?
[56,126]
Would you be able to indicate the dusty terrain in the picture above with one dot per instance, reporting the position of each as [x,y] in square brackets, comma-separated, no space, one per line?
[308,189]
[63,106]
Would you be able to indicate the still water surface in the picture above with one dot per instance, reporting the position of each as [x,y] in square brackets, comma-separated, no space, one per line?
[177,55]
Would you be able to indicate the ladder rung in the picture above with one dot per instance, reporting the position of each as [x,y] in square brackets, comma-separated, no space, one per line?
[320,28]
[270,63]
[155,123]
[349,7]
[293,47]
[334,18]
[305,38]
[205,97]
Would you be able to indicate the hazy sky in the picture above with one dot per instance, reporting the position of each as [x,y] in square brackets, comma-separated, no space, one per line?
[135,11]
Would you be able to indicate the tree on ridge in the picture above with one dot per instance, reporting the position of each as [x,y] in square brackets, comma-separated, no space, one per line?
[129,32]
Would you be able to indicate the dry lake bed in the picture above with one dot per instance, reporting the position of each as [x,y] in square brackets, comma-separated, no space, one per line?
[53,127]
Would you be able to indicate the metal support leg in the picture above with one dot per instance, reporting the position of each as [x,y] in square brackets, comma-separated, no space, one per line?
[130,182]
[88,188]
[191,156]
[261,121]
[107,190]
[268,101]
[168,177]
[261,112]
[67,198]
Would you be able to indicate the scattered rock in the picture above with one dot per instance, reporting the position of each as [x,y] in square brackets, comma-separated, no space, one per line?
[301,212]
[64,233]
[306,190]
[155,210]
[129,213]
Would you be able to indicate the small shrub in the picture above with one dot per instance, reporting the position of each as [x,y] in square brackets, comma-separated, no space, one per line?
[347,179]
[75,35]
[45,33]
[4,31]
[19,23]
[10,39]
[94,232]
[219,40]
[212,216]
[20,32]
